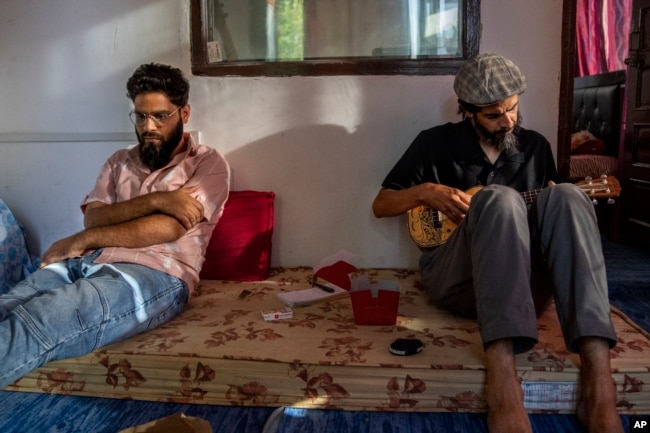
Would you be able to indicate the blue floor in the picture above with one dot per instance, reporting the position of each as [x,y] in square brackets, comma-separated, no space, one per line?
[43,413]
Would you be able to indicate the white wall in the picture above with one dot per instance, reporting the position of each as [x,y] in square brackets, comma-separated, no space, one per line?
[323,144]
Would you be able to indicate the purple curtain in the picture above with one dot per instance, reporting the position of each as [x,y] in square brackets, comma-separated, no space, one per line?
[602,35]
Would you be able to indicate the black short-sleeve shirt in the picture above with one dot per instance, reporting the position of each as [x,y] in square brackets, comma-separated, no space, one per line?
[451,155]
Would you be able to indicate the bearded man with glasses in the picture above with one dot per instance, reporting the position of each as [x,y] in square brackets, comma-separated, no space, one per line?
[147,224]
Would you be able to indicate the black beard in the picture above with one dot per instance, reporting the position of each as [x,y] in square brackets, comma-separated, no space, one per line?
[156,157]
[502,143]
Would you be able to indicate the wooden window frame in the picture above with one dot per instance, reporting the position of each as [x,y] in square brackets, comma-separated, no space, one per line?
[325,67]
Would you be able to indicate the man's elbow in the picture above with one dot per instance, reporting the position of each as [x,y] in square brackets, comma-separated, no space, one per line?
[91,217]
[379,208]
[381,204]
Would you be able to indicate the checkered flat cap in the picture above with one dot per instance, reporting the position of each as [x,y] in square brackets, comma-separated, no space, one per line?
[487,79]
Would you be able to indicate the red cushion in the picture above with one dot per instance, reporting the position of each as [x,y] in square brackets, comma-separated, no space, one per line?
[240,246]
[586,143]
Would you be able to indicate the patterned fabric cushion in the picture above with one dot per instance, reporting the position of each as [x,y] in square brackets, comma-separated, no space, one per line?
[221,351]
[15,261]
[240,247]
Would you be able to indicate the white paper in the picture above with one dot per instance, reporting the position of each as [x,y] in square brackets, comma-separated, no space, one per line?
[214,52]
[300,298]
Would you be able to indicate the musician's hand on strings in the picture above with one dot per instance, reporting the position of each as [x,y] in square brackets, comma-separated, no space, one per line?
[452,202]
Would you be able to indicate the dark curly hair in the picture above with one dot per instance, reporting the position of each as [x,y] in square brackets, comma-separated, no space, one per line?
[155,77]
[466,107]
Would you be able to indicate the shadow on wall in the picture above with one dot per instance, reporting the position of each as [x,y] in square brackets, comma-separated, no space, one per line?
[324,194]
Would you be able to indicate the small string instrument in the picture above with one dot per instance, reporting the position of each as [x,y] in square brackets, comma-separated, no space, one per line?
[431,228]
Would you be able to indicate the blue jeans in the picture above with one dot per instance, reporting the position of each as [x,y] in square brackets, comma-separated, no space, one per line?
[71,308]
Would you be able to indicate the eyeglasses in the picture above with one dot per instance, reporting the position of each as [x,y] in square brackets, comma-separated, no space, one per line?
[159,118]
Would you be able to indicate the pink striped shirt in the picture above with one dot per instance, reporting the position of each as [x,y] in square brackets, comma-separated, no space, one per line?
[123,177]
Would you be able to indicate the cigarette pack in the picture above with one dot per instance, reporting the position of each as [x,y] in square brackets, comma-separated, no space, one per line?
[279,314]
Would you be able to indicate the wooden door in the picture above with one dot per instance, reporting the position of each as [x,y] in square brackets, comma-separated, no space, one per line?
[635,224]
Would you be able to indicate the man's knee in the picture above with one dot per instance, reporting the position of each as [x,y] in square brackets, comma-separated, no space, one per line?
[498,199]
[564,195]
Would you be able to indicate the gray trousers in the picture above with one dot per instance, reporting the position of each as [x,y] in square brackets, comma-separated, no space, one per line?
[505,262]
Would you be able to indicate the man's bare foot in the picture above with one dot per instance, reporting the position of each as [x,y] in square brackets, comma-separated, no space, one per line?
[597,405]
[506,413]
[599,418]
[508,416]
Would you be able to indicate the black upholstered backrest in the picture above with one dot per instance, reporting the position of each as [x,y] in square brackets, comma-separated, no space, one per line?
[598,105]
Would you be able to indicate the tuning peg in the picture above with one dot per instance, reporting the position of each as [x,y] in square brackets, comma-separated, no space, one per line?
[588,179]
[595,202]
[611,201]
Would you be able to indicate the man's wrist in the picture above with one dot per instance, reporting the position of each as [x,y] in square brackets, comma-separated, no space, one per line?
[87,239]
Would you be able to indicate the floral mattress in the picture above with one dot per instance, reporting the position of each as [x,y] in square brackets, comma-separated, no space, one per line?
[222,351]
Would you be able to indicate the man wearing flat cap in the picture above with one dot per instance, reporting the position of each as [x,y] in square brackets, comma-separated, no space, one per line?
[514,245]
